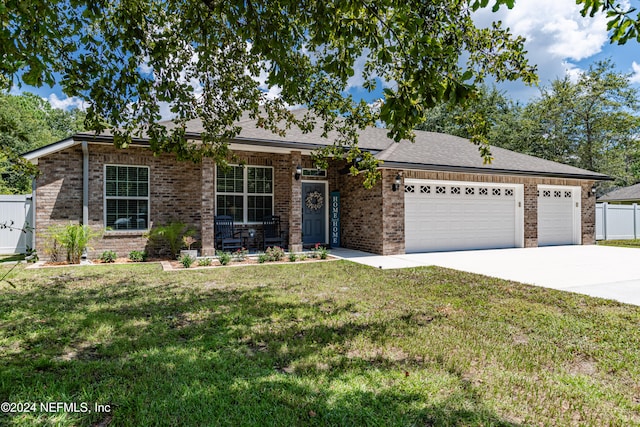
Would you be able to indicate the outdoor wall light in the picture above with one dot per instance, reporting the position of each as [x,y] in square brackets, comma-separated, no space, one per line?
[593,191]
[396,183]
[298,173]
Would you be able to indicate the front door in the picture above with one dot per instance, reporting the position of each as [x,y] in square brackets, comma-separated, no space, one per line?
[314,212]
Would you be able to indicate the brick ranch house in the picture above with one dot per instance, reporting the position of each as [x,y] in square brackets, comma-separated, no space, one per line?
[434,195]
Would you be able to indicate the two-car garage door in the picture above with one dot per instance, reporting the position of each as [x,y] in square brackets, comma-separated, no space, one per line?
[455,215]
[451,215]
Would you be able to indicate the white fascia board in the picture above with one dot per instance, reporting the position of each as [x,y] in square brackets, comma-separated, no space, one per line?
[33,156]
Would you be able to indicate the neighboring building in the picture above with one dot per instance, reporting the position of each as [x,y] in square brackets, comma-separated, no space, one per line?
[624,195]
[447,198]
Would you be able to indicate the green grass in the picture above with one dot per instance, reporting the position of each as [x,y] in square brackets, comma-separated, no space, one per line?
[632,243]
[313,344]
[11,258]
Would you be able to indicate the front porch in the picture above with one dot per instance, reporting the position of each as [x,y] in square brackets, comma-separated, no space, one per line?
[262,184]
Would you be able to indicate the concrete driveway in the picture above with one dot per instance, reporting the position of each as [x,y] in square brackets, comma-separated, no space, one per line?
[600,271]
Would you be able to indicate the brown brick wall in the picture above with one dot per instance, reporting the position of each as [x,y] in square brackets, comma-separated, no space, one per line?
[58,192]
[361,216]
[371,220]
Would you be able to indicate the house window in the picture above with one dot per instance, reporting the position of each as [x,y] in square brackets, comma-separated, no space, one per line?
[126,193]
[244,193]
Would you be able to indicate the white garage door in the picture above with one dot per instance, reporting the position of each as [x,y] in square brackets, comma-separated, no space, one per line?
[450,215]
[558,215]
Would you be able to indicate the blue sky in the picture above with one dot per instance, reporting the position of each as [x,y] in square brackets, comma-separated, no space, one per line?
[559,40]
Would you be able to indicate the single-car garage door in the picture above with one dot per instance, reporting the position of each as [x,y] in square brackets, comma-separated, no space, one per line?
[558,215]
[452,215]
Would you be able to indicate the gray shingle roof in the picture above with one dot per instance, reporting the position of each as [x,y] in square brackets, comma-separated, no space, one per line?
[431,151]
[447,152]
[630,193]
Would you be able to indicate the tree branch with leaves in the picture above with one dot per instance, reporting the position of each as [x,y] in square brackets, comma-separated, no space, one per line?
[215,61]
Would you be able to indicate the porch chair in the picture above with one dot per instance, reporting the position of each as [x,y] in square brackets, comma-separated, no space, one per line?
[227,238]
[273,236]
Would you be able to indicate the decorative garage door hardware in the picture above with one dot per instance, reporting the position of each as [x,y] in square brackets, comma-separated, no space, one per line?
[460,190]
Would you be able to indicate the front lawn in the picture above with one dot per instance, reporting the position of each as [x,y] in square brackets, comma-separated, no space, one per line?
[312,344]
[631,243]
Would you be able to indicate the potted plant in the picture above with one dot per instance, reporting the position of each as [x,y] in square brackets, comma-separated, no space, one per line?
[188,241]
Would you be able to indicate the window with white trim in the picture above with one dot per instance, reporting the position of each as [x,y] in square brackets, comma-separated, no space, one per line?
[126,195]
[244,193]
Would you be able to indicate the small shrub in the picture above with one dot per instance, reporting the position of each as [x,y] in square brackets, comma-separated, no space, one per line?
[223,257]
[171,236]
[138,256]
[73,238]
[108,256]
[302,257]
[320,251]
[262,258]
[293,257]
[204,262]
[275,253]
[240,255]
[186,261]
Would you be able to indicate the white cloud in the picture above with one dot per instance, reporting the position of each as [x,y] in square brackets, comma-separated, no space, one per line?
[557,36]
[65,103]
[635,76]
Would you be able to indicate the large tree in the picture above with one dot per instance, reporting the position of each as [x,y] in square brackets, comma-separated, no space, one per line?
[216,60]
[593,123]
[28,122]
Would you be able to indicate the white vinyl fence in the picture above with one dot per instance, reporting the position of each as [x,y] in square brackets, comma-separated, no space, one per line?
[617,222]
[19,210]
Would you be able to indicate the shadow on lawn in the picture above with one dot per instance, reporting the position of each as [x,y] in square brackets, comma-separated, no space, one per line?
[176,355]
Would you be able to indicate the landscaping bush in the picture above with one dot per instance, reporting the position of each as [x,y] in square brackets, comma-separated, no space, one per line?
[187,261]
[204,262]
[170,237]
[223,257]
[274,253]
[293,257]
[108,256]
[138,256]
[73,238]
[52,248]
[262,258]
[320,251]
[240,255]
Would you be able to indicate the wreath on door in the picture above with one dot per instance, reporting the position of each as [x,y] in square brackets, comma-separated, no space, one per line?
[314,200]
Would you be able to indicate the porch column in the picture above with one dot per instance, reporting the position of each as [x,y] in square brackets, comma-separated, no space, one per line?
[207,209]
[295,214]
